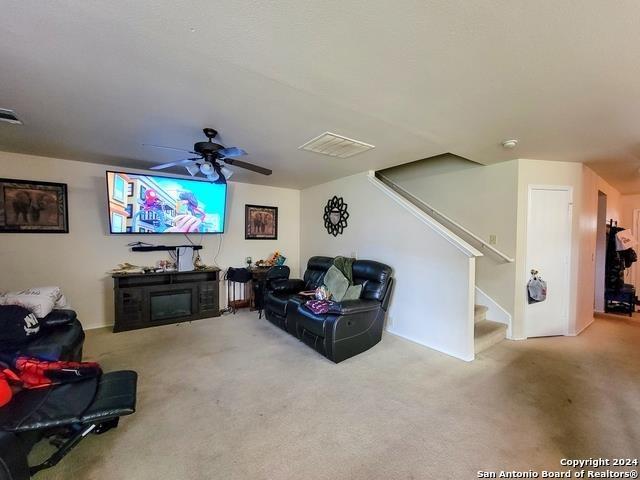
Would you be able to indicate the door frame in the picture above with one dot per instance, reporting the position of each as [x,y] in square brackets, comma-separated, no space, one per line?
[635,228]
[569,248]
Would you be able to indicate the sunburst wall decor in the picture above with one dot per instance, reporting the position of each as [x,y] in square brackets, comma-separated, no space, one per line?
[335,216]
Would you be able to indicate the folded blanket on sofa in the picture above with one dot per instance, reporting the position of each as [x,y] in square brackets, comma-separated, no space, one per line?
[41,300]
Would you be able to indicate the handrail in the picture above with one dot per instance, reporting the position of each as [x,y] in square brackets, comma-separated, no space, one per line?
[434,212]
[424,217]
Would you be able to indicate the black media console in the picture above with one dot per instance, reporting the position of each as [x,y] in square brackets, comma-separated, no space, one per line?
[147,300]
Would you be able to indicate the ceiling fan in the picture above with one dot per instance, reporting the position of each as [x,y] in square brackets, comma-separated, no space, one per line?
[211,159]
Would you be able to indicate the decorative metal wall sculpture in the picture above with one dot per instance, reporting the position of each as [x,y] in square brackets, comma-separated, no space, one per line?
[335,216]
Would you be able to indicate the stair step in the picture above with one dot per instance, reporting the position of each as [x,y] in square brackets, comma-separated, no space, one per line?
[480,313]
[487,333]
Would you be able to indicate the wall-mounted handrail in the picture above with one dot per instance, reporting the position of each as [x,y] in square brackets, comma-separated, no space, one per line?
[436,213]
[429,220]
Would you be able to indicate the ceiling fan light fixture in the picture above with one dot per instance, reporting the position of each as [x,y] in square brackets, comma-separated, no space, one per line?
[213,177]
[207,169]
[227,172]
[193,169]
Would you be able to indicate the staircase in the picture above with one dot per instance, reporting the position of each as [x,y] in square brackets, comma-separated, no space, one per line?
[485,332]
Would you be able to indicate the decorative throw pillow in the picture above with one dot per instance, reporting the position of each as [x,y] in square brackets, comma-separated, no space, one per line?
[353,292]
[40,300]
[336,283]
[18,325]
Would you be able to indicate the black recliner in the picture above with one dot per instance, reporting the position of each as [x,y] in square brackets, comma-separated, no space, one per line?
[351,327]
[70,411]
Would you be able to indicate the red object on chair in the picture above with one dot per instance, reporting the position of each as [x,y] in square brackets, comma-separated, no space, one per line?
[5,389]
[35,373]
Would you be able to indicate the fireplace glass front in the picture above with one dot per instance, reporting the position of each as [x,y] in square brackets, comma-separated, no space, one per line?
[170,304]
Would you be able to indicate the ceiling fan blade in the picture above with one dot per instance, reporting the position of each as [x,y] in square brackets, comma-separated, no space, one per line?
[173,164]
[231,152]
[168,148]
[248,166]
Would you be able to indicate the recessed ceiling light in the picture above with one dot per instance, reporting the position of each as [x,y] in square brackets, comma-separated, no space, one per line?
[9,116]
[510,144]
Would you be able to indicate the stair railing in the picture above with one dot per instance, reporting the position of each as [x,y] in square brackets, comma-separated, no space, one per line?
[438,215]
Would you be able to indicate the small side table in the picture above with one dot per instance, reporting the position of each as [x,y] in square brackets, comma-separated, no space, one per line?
[256,291]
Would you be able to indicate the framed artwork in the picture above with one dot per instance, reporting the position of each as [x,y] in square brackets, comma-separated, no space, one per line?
[33,207]
[260,222]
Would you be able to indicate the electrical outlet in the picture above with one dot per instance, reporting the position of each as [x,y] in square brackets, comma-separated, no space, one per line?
[493,240]
[354,254]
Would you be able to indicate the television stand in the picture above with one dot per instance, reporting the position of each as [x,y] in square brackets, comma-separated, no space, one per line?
[161,298]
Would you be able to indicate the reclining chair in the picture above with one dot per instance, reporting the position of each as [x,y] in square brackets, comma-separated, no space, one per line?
[68,412]
[351,327]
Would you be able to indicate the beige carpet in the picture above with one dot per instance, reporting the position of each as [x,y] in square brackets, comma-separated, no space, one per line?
[237,398]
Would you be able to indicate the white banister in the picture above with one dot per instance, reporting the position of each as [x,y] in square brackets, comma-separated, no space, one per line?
[424,217]
[436,213]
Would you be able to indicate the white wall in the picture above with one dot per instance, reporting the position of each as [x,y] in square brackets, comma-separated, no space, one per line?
[433,296]
[629,203]
[480,198]
[78,262]
[492,200]
[585,184]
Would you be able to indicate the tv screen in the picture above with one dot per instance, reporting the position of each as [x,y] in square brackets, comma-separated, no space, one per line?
[145,204]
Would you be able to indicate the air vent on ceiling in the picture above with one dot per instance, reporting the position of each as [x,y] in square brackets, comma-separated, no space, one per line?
[335,145]
[9,116]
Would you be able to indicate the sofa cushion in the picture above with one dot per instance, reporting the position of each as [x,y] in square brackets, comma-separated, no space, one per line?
[336,283]
[316,269]
[374,277]
[59,317]
[348,307]
[352,293]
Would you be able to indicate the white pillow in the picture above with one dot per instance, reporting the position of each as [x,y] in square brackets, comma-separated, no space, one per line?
[41,300]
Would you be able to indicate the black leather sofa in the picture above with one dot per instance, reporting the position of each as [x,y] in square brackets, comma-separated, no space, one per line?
[350,328]
[70,411]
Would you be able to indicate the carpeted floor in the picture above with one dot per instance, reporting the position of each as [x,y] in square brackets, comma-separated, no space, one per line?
[237,398]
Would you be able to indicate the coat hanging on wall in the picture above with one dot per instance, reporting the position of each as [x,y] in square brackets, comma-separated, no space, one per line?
[335,216]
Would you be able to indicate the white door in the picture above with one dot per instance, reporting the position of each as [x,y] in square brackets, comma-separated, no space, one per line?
[549,252]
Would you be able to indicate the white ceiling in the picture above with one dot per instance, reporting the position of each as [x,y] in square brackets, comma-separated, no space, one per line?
[94,80]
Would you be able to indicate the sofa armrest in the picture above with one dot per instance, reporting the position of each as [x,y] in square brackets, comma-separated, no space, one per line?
[348,307]
[59,317]
[283,285]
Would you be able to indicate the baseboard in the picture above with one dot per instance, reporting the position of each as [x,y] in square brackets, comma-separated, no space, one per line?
[96,327]
[575,334]
[412,340]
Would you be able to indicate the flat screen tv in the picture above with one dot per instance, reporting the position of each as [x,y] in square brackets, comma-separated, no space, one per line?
[152,204]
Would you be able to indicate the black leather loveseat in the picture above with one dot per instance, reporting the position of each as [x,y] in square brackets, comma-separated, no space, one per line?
[350,328]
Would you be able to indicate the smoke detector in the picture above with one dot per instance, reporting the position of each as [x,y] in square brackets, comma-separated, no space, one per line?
[335,145]
[9,116]
[510,144]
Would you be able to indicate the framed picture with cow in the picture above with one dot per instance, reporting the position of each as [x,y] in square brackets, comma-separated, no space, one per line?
[30,206]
